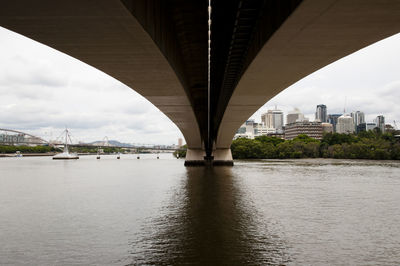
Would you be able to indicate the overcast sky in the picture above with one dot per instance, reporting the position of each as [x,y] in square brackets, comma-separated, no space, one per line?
[42,91]
[368,81]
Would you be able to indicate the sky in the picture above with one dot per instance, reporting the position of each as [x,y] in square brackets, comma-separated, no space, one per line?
[367,80]
[42,91]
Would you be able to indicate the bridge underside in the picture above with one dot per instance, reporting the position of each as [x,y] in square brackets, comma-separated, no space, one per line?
[159,49]
[239,29]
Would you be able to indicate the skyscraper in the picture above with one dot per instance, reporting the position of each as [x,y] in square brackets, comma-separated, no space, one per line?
[320,113]
[380,123]
[273,119]
[358,118]
[333,119]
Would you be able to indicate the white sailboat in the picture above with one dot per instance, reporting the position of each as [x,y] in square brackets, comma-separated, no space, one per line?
[66,155]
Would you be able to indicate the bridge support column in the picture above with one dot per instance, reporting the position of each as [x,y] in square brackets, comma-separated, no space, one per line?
[197,157]
[223,157]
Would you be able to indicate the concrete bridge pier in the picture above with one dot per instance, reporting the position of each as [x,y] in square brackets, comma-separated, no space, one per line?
[222,156]
[219,157]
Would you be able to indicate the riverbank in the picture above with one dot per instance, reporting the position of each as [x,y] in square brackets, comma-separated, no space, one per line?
[8,155]
[28,154]
[366,145]
[11,150]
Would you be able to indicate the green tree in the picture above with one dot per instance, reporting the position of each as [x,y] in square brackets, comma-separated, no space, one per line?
[181,152]
[267,139]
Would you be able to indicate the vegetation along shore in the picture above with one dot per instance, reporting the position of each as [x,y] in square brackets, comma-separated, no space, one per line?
[366,145]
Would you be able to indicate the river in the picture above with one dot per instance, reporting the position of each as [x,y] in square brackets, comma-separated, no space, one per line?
[157,212]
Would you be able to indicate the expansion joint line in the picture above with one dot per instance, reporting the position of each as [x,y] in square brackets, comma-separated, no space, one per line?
[209,78]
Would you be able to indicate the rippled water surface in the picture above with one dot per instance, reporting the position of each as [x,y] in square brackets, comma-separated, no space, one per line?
[149,211]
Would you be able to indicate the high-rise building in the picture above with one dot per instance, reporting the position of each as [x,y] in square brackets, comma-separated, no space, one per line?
[295,116]
[358,118]
[332,119]
[380,123]
[320,113]
[273,119]
[180,142]
[345,124]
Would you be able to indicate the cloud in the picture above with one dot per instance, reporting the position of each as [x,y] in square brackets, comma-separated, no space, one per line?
[367,80]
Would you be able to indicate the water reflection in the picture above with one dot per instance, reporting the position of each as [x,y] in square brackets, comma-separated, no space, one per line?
[208,220]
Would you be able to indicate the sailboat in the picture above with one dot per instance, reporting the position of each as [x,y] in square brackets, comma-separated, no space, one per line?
[66,155]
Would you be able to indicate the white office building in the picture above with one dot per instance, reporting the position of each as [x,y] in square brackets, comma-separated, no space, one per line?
[345,124]
[261,130]
[273,119]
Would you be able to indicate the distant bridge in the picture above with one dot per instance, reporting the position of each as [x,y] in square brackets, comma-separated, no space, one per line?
[23,138]
[20,138]
[139,147]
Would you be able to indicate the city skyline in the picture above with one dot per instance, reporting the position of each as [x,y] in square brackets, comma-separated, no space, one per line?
[43,91]
[296,123]
[359,116]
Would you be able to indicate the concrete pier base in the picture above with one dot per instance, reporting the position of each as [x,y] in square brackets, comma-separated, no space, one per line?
[195,157]
[220,157]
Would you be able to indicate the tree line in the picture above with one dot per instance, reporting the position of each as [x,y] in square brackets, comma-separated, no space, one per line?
[181,152]
[95,149]
[365,145]
[27,149]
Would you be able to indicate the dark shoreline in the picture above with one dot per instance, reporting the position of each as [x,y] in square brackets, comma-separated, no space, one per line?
[11,155]
[6,155]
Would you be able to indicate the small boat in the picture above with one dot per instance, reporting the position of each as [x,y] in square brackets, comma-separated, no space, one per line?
[18,154]
[119,156]
[66,155]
